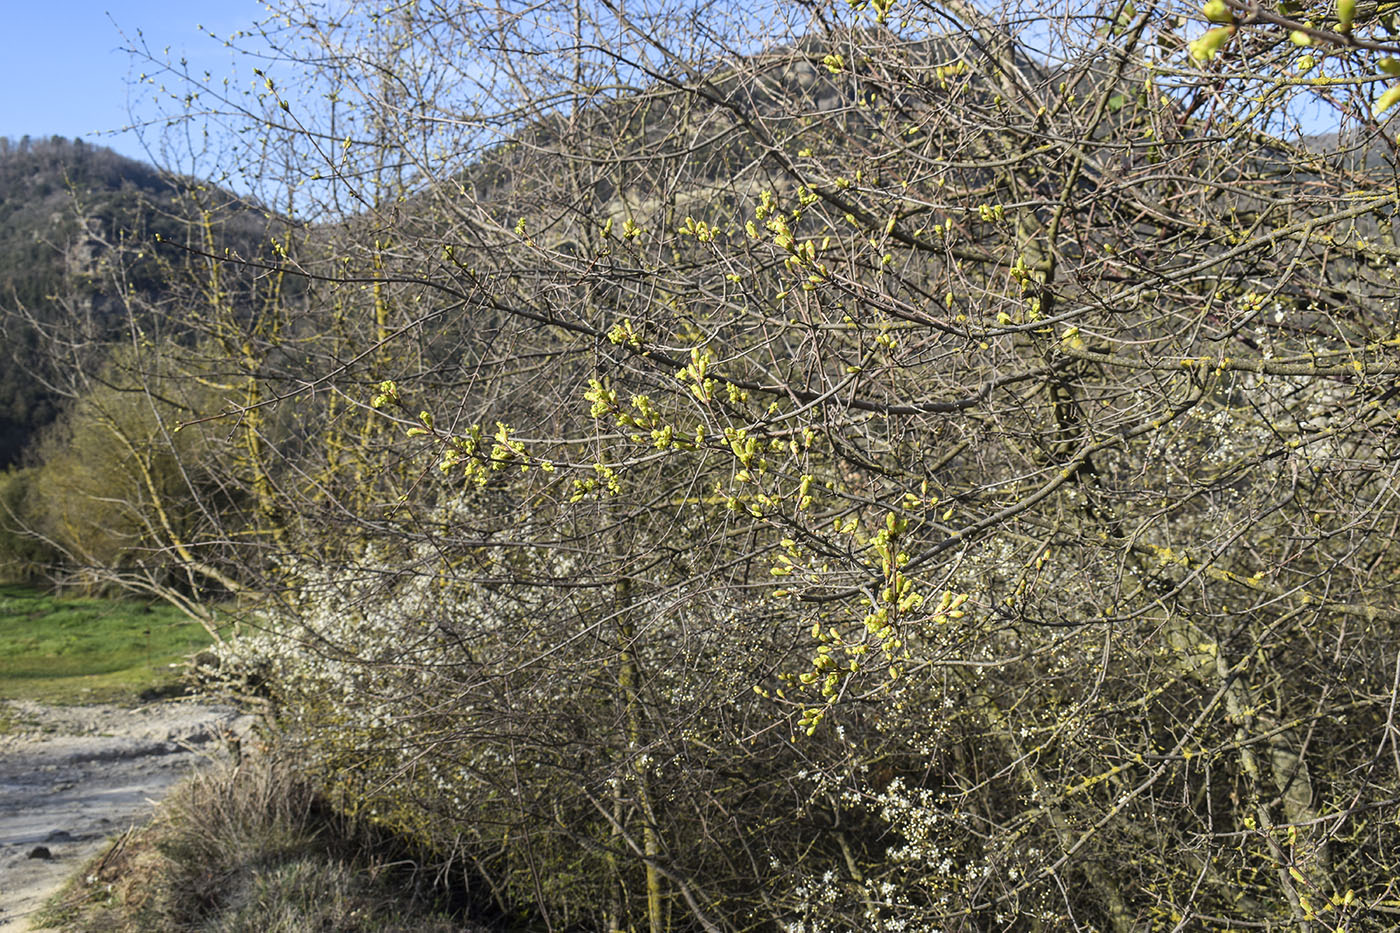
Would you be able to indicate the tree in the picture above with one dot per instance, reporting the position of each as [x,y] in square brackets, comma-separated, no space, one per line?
[900,466]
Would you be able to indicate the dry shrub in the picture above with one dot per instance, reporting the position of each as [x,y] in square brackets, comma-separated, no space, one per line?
[249,849]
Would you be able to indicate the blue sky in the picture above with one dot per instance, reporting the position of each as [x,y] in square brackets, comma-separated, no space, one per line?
[63,71]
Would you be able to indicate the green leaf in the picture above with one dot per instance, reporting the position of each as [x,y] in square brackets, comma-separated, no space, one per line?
[1387,100]
[1217,12]
[1207,46]
[1346,12]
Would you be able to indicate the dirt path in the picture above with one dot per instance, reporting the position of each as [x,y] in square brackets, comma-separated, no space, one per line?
[73,776]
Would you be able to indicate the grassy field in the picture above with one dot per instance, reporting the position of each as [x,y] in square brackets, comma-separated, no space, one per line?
[74,650]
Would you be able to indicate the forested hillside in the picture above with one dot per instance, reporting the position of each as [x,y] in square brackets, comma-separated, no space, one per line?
[78,224]
[882,466]
[47,256]
[103,260]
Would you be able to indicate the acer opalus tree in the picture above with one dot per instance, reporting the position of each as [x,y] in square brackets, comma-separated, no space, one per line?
[885,467]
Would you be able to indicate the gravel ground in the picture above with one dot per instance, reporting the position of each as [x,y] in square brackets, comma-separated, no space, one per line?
[72,777]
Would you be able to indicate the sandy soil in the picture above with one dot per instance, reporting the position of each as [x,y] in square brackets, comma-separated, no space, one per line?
[72,777]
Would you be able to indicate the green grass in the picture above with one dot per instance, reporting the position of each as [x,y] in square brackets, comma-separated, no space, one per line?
[78,650]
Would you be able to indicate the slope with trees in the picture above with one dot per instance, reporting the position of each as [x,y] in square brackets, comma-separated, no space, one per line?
[78,228]
[109,266]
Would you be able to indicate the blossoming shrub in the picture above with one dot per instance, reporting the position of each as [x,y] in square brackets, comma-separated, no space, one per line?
[931,472]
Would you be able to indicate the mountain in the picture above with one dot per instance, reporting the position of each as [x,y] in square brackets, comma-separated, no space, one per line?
[68,210]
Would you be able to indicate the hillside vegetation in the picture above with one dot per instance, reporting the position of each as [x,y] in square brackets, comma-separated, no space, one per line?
[77,228]
[887,466]
[104,263]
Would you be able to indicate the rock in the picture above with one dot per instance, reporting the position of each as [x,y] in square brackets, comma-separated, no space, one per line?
[59,835]
[41,852]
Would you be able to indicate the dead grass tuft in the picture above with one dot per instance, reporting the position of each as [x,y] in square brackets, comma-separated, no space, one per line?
[248,849]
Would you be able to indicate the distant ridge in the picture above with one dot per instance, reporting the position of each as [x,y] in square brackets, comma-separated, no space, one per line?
[66,206]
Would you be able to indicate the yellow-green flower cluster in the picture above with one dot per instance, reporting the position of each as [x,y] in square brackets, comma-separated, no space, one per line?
[886,627]
[694,375]
[624,333]
[699,229]
[388,394]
